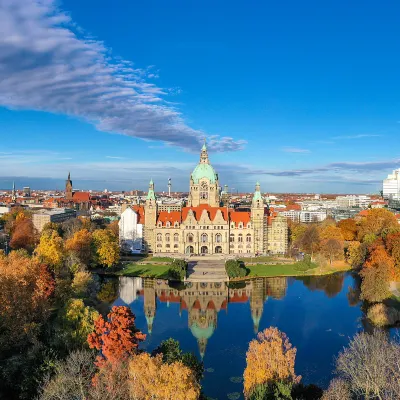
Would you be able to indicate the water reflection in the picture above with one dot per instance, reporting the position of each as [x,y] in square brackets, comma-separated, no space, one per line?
[202,300]
[331,285]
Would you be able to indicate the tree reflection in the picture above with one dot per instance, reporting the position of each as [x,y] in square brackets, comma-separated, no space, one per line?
[331,285]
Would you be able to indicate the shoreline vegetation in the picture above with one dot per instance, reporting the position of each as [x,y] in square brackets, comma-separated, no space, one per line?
[257,267]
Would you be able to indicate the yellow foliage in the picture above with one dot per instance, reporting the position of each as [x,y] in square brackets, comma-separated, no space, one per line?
[269,358]
[107,247]
[81,245]
[151,379]
[51,248]
[331,232]
[81,282]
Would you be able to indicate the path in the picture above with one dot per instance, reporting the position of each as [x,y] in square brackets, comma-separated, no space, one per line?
[206,270]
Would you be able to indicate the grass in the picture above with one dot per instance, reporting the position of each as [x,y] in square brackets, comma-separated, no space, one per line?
[145,270]
[293,270]
[260,259]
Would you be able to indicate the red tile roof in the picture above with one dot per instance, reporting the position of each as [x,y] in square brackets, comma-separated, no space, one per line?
[140,211]
[81,197]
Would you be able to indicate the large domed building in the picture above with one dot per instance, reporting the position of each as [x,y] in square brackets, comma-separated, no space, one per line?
[204,225]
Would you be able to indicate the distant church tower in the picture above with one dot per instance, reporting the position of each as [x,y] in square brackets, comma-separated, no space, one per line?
[68,187]
[149,294]
[257,220]
[169,187]
[150,218]
[13,194]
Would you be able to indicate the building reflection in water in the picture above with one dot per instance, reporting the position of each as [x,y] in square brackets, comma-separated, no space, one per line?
[202,300]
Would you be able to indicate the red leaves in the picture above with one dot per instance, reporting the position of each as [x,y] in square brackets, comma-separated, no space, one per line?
[117,338]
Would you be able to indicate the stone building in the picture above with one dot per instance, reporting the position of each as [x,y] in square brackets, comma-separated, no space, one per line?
[205,225]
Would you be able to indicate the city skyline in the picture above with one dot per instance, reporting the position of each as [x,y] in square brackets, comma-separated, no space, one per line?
[116,94]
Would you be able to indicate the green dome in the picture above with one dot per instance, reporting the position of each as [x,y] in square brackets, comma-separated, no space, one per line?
[202,333]
[204,171]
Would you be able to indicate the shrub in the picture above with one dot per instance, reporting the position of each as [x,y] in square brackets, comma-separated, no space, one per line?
[382,315]
[235,269]
[178,269]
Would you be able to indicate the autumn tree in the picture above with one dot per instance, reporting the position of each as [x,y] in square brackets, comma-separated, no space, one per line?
[310,240]
[338,390]
[81,244]
[348,228]
[331,232]
[171,352]
[370,366]
[117,337]
[72,378]
[114,228]
[107,247]
[393,247]
[151,379]
[332,249]
[23,236]
[51,248]
[375,284]
[296,232]
[74,323]
[269,359]
[25,288]
[378,222]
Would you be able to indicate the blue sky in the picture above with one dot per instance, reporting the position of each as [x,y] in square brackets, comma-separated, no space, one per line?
[302,96]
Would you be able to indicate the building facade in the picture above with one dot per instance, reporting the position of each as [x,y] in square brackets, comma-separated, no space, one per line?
[58,215]
[205,225]
[391,186]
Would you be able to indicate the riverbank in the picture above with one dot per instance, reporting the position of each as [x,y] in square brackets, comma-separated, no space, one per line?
[155,268]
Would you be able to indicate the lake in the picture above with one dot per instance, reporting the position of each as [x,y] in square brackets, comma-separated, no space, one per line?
[216,321]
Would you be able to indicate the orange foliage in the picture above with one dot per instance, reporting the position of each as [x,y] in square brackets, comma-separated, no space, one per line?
[348,228]
[114,228]
[377,221]
[393,246]
[379,258]
[25,286]
[269,358]
[117,338]
[331,232]
[151,379]
[23,236]
[81,245]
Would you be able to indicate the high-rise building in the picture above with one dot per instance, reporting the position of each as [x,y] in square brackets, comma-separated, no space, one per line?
[391,186]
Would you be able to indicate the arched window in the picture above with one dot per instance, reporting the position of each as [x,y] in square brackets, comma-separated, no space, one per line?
[240,246]
[240,225]
[176,225]
[175,246]
[159,237]
[159,224]
[240,238]
[248,245]
[168,224]
[248,238]
[218,238]
[190,238]
[249,225]
[204,238]
[232,237]
[167,246]
[159,245]
[176,237]
[167,237]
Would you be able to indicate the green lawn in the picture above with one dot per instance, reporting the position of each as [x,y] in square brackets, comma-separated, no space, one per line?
[146,270]
[290,270]
[261,259]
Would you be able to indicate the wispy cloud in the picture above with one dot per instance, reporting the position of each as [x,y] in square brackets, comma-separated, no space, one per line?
[46,64]
[360,136]
[295,150]
[115,157]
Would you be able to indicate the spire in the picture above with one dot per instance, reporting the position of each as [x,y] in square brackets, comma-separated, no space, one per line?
[204,155]
[150,194]
[69,176]
[13,193]
[257,193]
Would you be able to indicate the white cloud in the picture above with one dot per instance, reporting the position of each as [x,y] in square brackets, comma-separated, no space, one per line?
[46,65]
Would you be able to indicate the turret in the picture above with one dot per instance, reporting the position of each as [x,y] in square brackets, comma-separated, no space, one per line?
[150,220]
[257,220]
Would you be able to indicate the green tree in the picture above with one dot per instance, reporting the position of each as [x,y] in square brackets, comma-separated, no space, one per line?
[107,247]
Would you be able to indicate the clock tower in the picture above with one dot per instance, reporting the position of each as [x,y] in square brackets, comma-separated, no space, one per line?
[204,186]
